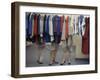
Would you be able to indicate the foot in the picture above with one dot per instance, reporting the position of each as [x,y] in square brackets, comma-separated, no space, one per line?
[39,62]
[63,63]
[55,62]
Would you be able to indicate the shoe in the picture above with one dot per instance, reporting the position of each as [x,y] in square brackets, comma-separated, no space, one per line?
[69,63]
[50,64]
[54,62]
[39,62]
[63,63]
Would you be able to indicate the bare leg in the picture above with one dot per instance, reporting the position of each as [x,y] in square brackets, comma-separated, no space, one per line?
[40,57]
[65,55]
[53,56]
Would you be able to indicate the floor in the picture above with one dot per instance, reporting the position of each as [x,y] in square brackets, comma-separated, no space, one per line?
[32,52]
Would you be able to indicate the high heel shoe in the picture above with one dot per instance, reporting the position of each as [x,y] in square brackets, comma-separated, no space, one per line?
[69,63]
[63,63]
[39,62]
[54,62]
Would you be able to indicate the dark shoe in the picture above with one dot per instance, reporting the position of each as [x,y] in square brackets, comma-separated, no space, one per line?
[50,64]
[69,63]
[39,62]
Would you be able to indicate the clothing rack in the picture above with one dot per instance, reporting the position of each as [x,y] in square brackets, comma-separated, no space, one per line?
[58,14]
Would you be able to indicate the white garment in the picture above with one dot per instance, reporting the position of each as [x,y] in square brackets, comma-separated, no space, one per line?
[71,25]
[76,24]
[63,30]
[41,25]
[51,27]
[83,26]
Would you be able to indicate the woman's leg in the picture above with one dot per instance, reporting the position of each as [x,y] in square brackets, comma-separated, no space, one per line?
[40,57]
[53,55]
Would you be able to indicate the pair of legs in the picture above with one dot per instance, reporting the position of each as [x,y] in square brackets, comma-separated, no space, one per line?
[53,53]
[67,46]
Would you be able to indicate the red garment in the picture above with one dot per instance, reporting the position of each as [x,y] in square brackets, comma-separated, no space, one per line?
[85,38]
[35,25]
[35,28]
[66,30]
[61,22]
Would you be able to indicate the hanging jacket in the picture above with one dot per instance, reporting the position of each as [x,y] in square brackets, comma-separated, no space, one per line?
[85,37]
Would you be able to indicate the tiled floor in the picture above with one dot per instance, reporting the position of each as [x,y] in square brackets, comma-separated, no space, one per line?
[32,52]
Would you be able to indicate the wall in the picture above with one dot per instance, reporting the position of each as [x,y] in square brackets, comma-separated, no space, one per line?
[5,40]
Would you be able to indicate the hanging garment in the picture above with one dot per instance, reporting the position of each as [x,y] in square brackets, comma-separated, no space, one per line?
[27,25]
[77,42]
[35,38]
[56,27]
[85,37]
[38,29]
[63,28]
[76,24]
[51,28]
[29,19]
[44,21]
[33,25]
[41,25]
[80,18]
[46,34]
[41,30]
[30,24]
[67,29]
[62,19]
[83,26]
[71,25]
